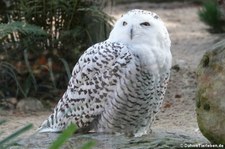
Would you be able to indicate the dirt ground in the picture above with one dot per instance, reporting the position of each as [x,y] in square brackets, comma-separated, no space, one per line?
[190,40]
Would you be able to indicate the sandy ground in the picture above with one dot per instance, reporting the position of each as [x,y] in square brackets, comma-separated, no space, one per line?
[190,40]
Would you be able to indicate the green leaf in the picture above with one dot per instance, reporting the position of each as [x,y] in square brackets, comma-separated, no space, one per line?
[55,28]
[11,71]
[21,27]
[2,122]
[66,66]
[88,145]
[27,85]
[211,15]
[9,138]
[31,74]
[66,134]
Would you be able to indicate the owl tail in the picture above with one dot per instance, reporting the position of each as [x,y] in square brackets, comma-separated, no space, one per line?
[45,127]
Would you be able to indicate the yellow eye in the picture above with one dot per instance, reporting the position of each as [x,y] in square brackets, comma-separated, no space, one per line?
[145,24]
[124,23]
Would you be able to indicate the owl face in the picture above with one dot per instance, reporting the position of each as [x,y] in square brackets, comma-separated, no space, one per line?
[139,27]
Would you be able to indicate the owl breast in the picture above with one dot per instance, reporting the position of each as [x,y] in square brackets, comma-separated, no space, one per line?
[131,107]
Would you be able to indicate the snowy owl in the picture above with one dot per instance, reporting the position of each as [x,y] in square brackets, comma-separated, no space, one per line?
[118,85]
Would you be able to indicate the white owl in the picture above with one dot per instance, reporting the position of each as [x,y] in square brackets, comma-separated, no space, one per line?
[118,85]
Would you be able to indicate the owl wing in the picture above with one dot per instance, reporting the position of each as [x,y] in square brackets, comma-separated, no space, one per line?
[93,79]
[161,90]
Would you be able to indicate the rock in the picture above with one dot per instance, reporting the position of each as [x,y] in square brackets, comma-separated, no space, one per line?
[8,103]
[158,139]
[178,96]
[29,105]
[11,100]
[176,67]
[210,97]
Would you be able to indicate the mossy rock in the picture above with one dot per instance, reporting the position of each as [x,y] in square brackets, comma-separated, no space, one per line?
[210,97]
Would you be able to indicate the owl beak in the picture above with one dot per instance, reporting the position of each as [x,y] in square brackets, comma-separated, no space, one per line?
[131,33]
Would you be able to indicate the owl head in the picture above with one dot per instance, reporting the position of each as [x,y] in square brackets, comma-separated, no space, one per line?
[140,27]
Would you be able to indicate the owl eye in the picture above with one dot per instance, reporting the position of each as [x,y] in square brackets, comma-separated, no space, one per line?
[124,23]
[145,24]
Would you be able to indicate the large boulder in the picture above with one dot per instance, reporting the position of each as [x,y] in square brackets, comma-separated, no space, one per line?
[210,97]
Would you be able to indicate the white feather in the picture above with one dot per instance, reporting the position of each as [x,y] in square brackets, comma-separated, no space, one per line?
[115,80]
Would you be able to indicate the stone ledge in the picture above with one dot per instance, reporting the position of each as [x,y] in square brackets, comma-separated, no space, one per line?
[157,139]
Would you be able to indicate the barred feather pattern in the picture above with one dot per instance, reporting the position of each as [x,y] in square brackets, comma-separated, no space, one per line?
[109,92]
[118,85]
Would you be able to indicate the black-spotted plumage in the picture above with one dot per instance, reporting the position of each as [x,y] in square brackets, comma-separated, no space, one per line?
[118,85]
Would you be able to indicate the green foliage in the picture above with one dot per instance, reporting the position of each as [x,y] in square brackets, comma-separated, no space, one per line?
[155,1]
[43,39]
[65,135]
[10,140]
[2,122]
[8,72]
[57,144]
[88,145]
[21,27]
[67,68]
[211,15]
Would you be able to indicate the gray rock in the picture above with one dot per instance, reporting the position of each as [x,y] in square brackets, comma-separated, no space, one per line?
[210,97]
[158,139]
[8,103]
[29,105]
